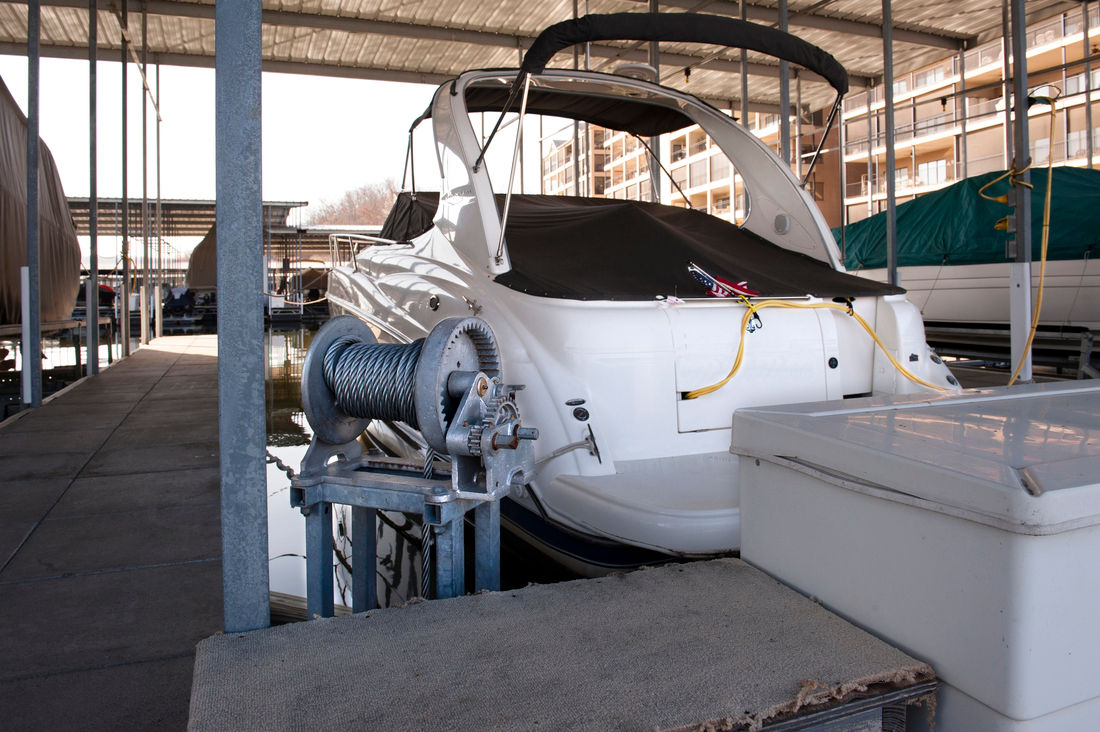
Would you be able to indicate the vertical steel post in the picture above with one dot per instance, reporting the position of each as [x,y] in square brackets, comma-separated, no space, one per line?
[450,559]
[146,289]
[159,312]
[241,424]
[891,201]
[654,165]
[364,547]
[1006,83]
[91,290]
[961,98]
[841,134]
[125,200]
[576,124]
[744,107]
[798,125]
[784,95]
[32,340]
[1020,284]
[319,603]
[487,546]
[870,156]
[1087,51]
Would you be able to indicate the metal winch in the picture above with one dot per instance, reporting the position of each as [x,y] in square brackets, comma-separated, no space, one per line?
[448,387]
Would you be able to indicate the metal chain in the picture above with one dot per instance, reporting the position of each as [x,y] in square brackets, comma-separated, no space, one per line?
[280,465]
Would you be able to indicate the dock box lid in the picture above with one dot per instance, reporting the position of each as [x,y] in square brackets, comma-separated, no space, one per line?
[1024,459]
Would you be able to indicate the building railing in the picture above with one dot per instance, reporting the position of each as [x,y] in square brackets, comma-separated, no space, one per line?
[1050,31]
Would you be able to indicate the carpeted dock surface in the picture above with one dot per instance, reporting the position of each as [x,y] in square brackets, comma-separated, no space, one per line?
[110,544]
[680,645]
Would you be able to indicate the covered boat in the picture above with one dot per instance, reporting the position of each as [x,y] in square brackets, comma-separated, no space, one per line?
[603,308]
[951,258]
[59,252]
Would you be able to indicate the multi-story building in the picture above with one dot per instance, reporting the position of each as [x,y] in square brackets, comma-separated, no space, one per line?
[558,162]
[951,122]
[949,119]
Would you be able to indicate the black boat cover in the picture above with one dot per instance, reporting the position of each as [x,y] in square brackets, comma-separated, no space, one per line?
[610,249]
[411,215]
[635,115]
[684,28]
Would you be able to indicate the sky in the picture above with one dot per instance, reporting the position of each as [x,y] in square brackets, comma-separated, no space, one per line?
[321,136]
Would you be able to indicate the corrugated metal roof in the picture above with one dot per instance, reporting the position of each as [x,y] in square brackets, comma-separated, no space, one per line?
[429,41]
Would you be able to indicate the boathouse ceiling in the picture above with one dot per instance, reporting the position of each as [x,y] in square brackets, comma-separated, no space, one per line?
[430,41]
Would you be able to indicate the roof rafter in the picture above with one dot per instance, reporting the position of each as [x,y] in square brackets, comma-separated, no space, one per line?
[105,53]
[442,33]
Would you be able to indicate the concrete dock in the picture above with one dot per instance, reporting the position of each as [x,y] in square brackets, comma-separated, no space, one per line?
[110,547]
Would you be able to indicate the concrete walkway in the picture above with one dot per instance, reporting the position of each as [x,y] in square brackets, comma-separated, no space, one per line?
[110,548]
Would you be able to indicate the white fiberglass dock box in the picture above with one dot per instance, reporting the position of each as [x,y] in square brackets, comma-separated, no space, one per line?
[964,528]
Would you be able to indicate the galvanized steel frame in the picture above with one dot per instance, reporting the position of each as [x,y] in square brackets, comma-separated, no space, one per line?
[241,426]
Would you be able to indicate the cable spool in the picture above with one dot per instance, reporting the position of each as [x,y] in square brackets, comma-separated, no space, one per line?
[348,378]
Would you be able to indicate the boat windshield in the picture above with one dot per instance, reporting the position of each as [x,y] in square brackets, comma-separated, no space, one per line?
[605,139]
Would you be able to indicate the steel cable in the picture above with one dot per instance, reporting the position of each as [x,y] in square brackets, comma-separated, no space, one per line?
[373,380]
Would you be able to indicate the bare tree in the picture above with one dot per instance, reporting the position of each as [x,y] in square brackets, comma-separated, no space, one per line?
[368,204]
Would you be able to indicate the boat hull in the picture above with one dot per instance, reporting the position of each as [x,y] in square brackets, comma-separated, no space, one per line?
[979,293]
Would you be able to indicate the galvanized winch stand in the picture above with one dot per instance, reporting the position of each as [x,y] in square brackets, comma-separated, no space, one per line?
[449,388]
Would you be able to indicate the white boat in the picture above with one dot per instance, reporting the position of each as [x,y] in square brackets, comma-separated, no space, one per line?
[597,312]
[952,260]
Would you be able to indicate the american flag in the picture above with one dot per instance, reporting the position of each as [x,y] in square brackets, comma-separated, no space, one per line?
[720,286]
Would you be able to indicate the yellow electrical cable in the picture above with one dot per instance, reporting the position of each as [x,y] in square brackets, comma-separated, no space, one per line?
[1042,250]
[751,310]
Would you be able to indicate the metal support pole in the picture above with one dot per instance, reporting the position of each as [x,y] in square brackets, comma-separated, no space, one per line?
[487,546]
[91,289]
[798,125]
[891,201]
[784,95]
[241,423]
[1087,51]
[1006,83]
[870,156]
[32,340]
[961,99]
[841,134]
[450,559]
[146,289]
[1020,293]
[364,547]
[319,603]
[655,141]
[576,124]
[125,201]
[159,312]
[744,106]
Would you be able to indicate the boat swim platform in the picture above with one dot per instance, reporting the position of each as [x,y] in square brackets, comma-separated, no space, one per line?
[683,646]
[110,543]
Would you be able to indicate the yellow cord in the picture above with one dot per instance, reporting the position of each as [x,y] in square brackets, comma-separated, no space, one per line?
[810,306]
[1042,250]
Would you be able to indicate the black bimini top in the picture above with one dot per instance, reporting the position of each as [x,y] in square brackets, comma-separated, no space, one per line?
[610,249]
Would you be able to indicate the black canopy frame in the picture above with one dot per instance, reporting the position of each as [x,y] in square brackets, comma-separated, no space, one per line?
[676,27]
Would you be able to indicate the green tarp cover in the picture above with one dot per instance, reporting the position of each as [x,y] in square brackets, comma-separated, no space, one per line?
[954,225]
